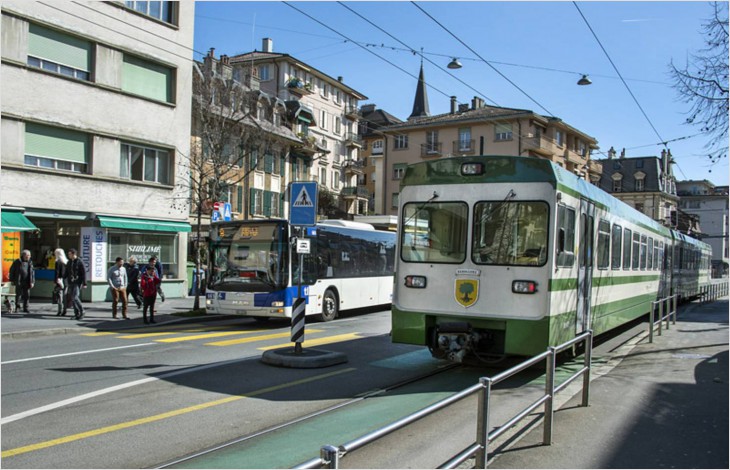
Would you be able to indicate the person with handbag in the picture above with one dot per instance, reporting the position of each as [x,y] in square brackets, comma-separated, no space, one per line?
[60,288]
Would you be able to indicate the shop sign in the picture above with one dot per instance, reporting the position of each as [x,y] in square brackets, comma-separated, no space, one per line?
[93,252]
[11,251]
[144,252]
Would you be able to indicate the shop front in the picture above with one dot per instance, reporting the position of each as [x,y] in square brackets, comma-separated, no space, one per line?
[99,240]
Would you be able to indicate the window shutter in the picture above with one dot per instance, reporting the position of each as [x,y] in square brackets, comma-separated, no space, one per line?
[147,79]
[59,48]
[267,203]
[269,163]
[56,143]
[239,199]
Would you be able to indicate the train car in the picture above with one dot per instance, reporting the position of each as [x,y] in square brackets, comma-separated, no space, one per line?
[501,255]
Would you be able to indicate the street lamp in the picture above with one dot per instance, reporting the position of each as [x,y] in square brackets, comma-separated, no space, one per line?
[584,80]
[454,64]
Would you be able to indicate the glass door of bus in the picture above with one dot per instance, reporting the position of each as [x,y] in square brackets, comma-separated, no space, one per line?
[585,266]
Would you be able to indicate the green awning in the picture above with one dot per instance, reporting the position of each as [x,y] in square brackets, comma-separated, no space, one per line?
[143,224]
[13,221]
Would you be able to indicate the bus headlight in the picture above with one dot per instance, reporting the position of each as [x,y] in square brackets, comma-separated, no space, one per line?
[417,282]
[524,287]
[208,302]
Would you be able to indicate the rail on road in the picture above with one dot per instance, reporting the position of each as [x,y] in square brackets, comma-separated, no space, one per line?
[330,455]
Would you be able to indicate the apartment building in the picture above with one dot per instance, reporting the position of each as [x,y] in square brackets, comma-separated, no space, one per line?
[96,112]
[710,204]
[645,183]
[478,129]
[331,144]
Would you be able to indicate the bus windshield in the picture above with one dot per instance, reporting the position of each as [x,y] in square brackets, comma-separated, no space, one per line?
[510,233]
[249,258]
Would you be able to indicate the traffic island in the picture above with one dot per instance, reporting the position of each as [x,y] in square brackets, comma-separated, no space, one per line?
[306,359]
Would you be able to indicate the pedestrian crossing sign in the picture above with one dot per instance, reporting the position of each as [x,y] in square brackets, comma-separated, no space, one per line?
[303,206]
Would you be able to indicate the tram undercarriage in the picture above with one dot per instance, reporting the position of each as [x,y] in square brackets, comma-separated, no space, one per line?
[457,341]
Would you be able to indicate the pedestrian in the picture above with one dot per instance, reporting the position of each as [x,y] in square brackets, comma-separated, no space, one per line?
[60,288]
[22,276]
[76,277]
[117,278]
[154,261]
[150,283]
[133,275]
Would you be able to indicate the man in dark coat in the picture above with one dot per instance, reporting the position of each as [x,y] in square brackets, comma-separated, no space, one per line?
[76,276]
[22,275]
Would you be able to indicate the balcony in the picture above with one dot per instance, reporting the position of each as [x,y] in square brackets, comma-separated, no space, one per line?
[354,167]
[353,140]
[351,112]
[356,192]
[308,146]
[541,145]
[461,147]
[431,150]
[299,88]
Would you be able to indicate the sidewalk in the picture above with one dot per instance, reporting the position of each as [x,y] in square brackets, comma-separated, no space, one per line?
[665,405]
[42,319]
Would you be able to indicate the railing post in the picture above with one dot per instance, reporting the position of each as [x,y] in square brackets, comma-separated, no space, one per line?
[661,318]
[547,431]
[667,310]
[483,424]
[675,298]
[651,322]
[587,364]
[331,456]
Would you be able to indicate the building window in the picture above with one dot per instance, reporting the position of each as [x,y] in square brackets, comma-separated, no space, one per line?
[324,89]
[145,164]
[264,74]
[338,125]
[394,198]
[640,184]
[323,176]
[400,142]
[617,185]
[432,141]
[582,149]
[161,10]
[399,170]
[323,119]
[503,132]
[336,179]
[145,78]
[377,147]
[56,148]
[559,137]
[465,139]
[58,53]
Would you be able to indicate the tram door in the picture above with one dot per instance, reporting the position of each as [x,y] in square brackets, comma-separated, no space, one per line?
[585,265]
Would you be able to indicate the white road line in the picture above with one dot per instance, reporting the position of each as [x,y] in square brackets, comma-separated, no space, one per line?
[76,353]
[115,388]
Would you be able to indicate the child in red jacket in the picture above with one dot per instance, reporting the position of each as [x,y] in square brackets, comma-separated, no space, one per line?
[150,281]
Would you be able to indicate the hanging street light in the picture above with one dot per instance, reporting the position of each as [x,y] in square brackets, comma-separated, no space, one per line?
[584,80]
[454,64]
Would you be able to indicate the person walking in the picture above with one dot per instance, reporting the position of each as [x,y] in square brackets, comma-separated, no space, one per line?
[154,261]
[22,276]
[133,274]
[60,289]
[150,282]
[117,277]
[76,280]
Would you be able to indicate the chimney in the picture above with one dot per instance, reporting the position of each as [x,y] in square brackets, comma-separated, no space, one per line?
[477,103]
[611,153]
[339,78]
[463,108]
[623,153]
[367,108]
[211,52]
[267,45]
[453,105]
[225,60]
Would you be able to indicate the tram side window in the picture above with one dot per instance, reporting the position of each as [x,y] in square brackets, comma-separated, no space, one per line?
[566,236]
[635,247]
[604,244]
[650,255]
[627,248]
[658,252]
[616,247]
[642,251]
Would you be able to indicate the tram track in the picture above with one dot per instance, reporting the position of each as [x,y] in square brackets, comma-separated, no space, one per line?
[317,414]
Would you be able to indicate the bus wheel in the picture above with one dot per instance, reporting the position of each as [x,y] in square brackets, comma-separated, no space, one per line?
[330,306]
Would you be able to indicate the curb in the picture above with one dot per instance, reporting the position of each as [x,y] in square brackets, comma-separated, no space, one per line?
[307,359]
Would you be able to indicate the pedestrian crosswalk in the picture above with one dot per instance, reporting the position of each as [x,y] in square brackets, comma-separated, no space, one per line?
[222,336]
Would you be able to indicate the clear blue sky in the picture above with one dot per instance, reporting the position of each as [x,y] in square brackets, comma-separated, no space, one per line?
[541,47]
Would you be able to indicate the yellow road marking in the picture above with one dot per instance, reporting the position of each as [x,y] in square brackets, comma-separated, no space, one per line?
[208,335]
[161,416]
[100,333]
[231,342]
[316,342]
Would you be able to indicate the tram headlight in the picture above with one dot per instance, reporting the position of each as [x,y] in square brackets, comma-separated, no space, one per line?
[524,287]
[417,282]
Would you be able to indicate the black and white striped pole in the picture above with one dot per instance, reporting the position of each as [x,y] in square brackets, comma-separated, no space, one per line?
[299,307]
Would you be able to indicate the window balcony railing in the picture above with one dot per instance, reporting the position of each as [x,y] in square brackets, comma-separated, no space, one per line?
[431,150]
[352,139]
[463,147]
[356,191]
[351,112]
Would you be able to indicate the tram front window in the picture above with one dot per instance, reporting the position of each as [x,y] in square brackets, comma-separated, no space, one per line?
[434,232]
[510,233]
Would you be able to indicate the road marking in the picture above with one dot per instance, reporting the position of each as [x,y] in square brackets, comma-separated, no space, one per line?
[149,335]
[208,335]
[99,333]
[161,416]
[231,342]
[75,353]
[316,342]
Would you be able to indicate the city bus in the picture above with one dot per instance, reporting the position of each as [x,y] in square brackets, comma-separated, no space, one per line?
[254,268]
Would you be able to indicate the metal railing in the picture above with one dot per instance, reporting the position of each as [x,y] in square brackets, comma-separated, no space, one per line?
[714,291]
[671,304]
[330,455]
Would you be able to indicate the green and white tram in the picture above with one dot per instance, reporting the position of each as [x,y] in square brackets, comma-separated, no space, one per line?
[506,255]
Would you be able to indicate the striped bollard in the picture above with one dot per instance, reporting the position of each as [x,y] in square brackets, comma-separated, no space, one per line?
[297,324]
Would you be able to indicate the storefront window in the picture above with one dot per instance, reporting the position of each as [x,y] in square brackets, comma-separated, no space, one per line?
[143,246]
[53,234]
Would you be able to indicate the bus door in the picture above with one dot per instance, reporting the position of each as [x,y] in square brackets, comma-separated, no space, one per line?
[585,266]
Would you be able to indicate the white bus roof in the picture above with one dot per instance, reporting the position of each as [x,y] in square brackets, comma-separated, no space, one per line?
[347,224]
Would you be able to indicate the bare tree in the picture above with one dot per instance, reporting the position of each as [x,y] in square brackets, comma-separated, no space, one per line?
[703,83]
[234,129]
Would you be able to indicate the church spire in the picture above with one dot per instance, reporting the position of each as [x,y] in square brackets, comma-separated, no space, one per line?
[420,102]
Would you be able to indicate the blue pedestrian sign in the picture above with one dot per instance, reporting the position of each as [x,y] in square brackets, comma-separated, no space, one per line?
[226,212]
[303,206]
